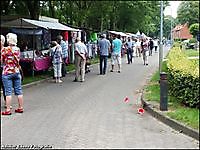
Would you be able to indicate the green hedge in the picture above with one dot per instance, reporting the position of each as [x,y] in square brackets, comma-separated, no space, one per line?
[183,78]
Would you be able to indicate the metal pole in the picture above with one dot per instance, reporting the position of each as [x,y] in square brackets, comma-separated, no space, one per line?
[33,53]
[161,36]
[163,75]
[171,29]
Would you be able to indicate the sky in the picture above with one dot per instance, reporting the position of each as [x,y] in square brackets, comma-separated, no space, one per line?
[172,9]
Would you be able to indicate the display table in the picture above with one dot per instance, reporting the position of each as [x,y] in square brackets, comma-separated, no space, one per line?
[42,63]
[39,64]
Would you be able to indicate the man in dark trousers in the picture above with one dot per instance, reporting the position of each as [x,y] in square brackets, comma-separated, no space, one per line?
[104,48]
[151,45]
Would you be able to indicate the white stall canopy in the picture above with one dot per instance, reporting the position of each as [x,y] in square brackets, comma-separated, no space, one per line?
[28,23]
[118,33]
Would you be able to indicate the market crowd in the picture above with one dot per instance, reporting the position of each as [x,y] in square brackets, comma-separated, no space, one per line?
[114,46]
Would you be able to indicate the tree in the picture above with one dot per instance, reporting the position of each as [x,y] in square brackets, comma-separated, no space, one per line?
[168,24]
[125,16]
[194,29]
[188,11]
[34,8]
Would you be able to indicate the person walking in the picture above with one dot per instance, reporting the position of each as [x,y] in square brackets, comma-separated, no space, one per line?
[155,42]
[145,51]
[56,55]
[80,60]
[11,75]
[129,52]
[151,46]
[104,48]
[116,52]
[138,48]
[64,47]
[1,70]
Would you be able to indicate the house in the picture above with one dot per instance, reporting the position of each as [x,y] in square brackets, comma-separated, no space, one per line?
[181,32]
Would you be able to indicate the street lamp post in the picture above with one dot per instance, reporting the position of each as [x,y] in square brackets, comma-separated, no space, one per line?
[163,75]
[161,36]
[171,29]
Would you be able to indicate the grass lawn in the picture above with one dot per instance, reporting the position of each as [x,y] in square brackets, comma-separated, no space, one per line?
[37,77]
[47,74]
[186,115]
[189,116]
[191,52]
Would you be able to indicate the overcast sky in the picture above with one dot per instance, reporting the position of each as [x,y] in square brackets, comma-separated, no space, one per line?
[172,9]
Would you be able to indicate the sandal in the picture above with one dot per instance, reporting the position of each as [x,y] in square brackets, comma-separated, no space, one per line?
[6,112]
[19,110]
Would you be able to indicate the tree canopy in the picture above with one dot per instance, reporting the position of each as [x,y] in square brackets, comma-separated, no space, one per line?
[188,12]
[127,16]
[194,29]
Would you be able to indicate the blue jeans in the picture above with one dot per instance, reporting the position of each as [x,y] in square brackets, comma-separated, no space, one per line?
[129,55]
[12,80]
[103,64]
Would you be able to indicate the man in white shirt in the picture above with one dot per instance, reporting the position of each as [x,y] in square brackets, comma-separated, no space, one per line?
[155,42]
[138,48]
[129,45]
[80,60]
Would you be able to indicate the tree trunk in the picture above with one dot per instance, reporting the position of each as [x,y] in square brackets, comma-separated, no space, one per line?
[101,29]
[51,8]
[34,9]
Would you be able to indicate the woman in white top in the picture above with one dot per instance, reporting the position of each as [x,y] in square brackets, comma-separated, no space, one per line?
[155,42]
[138,48]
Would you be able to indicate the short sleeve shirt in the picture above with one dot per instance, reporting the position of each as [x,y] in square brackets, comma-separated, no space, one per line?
[104,45]
[56,53]
[117,44]
[10,58]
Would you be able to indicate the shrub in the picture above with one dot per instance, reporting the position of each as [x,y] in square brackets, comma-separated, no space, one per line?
[183,78]
[192,40]
[194,29]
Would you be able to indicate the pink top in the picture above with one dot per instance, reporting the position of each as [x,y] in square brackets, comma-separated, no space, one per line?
[10,58]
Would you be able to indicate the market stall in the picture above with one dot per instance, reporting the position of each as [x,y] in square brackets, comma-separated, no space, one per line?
[36,28]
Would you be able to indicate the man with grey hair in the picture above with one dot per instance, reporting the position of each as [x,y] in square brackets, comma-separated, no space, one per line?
[104,48]
[80,60]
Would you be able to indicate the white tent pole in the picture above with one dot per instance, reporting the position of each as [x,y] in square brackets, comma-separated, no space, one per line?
[33,52]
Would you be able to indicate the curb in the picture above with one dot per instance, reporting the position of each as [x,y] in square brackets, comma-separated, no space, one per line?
[44,80]
[35,83]
[40,81]
[169,121]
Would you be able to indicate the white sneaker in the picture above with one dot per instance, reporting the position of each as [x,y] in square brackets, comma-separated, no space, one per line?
[60,81]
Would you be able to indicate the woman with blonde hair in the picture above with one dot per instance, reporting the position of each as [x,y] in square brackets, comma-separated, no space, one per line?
[11,75]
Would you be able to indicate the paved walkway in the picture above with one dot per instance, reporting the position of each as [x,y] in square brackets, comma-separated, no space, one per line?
[91,114]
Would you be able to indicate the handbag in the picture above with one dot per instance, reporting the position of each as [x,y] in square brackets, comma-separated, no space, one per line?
[67,61]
